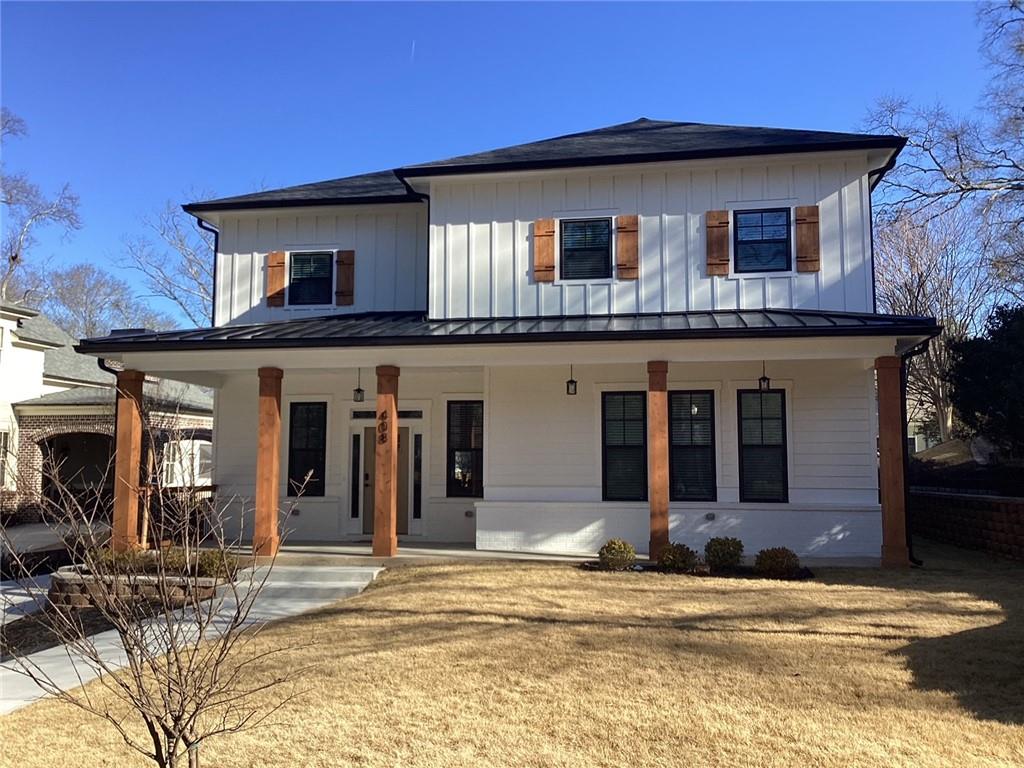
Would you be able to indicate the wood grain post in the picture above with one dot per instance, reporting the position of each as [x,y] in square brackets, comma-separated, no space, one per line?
[657,454]
[385,479]
[891,445]
[124,532]
[266,538]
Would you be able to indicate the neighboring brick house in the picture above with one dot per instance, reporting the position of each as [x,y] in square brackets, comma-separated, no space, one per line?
[57,417]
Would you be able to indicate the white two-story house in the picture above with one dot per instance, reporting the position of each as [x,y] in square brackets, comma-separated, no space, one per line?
[655,331]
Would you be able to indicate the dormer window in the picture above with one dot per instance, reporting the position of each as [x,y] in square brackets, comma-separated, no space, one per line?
[310,278]
[586,249]
[762,240]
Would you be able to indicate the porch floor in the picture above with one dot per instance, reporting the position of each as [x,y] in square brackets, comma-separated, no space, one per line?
[420,553]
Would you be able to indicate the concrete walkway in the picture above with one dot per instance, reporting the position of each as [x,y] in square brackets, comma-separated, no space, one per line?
[289,591]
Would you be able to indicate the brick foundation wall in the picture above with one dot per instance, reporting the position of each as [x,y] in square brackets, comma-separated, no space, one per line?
[991,523]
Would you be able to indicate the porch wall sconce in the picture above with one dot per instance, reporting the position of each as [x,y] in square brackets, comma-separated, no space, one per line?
[358,395]
[570,384]
[764,383]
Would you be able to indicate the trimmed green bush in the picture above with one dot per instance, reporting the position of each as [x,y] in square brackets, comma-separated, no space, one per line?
[617,555]
[677,558]
[723,553]
[777,563]
[206,563]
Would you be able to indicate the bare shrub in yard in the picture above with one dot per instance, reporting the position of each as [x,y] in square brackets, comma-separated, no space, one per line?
[187,664]
[617,555]
[777,563]
[723,553]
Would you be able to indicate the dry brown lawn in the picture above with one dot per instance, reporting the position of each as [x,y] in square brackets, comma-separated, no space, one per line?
[520,664]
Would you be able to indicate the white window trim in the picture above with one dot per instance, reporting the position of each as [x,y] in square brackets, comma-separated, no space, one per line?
[332,251]
[610,215]
[758,205]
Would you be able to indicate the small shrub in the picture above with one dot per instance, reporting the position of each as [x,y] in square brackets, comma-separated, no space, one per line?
[617,555]
[205,563]
[777,563]
[723,553]
[677,558]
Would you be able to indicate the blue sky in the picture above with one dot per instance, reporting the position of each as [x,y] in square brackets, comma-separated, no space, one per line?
[134,104]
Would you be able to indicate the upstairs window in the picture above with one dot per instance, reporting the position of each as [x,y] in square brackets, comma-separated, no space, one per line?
[762,240]
[310,278]
[586,249]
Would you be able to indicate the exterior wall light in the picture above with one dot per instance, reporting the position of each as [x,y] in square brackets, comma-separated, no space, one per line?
[358,395]
[764,383]
[570,384]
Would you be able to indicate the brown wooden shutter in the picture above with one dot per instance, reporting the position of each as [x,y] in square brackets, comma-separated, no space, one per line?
[808,243]
[345,278]
[627,247]
[544,250]
[275,279]
[717,223]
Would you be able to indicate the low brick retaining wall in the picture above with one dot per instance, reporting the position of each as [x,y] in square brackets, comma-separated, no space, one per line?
[991,523]
[70,588]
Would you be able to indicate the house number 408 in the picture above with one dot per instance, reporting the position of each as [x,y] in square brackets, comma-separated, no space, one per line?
[382,427]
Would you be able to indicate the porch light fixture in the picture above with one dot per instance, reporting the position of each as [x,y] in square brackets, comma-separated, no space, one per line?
[764,383]
[358,395]
[570,384]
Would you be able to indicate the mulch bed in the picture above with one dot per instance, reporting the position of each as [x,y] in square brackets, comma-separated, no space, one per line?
[740,572]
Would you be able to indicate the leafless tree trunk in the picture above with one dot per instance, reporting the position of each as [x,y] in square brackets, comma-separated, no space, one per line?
[186,673]
[927,266]
[176,262]
[26,209]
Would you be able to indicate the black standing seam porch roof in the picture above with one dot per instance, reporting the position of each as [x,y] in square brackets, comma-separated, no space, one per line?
[396,329]
[638,141]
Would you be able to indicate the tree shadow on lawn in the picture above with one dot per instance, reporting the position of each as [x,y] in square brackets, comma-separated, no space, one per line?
[983,667]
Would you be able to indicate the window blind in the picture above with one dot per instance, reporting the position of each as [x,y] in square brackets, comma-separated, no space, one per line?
[762,427]
[586,249]
[692,446]
[624,441]
[307,447]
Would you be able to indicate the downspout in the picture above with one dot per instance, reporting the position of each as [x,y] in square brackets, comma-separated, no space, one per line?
[912,352]
[216,249]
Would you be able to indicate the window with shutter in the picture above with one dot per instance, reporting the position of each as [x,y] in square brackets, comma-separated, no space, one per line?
[307,448]
[309,278]
[466,448]
[761,240]
[585,249]
[692,446]
[624,444]
[762,439]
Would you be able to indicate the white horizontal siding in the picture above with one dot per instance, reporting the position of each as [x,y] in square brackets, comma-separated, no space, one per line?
[481,239]
[391,258]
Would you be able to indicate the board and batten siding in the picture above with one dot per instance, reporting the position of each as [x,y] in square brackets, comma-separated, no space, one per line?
[390,258]
[482,254]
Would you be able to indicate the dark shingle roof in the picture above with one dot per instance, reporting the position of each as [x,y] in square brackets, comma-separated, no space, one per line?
[412,328]
[638,141]
[61,361]
[171,395]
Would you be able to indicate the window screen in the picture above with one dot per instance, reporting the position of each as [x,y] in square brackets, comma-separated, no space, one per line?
[586,248]
[309,281]
[762,426]
[466,448]
[761,240]
[624,438]
[692,446]
[307,446]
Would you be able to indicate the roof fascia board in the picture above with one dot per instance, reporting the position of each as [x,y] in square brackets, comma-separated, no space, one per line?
[37,344]
[196,208]
[733,161]
[310,209]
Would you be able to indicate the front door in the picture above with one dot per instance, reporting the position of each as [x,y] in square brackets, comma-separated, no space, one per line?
[369,465]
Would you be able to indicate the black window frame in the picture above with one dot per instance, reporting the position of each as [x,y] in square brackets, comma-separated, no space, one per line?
[328,289]
[784,447]
[605,496]
[562,261]
[712,447]
[453,488]
[736,267]
[317,485]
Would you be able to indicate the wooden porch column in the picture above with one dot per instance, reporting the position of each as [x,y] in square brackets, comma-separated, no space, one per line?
[891,445]
[385,479]
[657,454]
[266,538]
[124,533]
